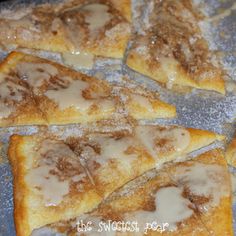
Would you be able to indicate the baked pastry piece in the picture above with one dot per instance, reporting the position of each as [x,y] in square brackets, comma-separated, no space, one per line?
[38,91]
[171,49]
[56,179]
[81,27]
[230,153]
[49,182]
[186,198]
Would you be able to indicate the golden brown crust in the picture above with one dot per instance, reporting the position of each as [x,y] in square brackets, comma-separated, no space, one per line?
[10,61]
[199,138]
[17,161]
[124,6]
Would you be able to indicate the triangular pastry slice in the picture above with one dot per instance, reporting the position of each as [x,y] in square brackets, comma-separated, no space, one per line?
[56,179]
[186,198]
[59,95]
[49,182]
[123,157]
[80,27]
[172,50]
[230,153]
[17,103]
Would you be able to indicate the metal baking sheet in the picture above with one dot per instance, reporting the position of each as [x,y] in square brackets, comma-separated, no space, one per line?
[197,109]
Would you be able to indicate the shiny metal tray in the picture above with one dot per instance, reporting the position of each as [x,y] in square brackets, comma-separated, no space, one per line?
[198,109]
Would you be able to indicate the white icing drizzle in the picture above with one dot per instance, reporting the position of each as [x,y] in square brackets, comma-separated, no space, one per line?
[145,134]
[36,73]
[171,198]
[204,180]
[112,148]
[169,66]
[48,185]
[78,60]
[10,90]
[71,96]
[181,138]
[178,138]
[97,15]
[78,178]
[171,208]
[55,148]
[5,110]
